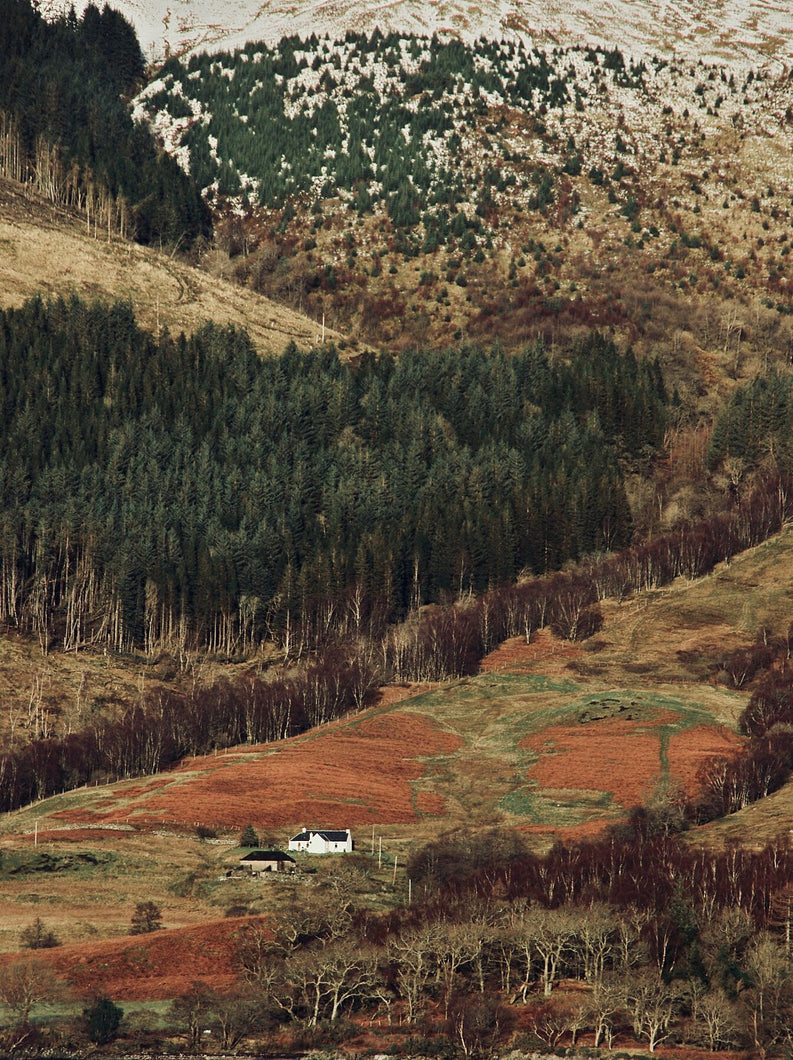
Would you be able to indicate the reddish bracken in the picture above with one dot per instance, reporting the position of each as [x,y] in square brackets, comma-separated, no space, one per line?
[160,965]
[317,777]
[515,655]
[623,758]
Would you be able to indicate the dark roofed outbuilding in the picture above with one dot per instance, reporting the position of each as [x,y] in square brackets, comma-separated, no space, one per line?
[258,861]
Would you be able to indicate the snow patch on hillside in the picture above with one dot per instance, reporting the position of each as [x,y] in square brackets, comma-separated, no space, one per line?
[740,33]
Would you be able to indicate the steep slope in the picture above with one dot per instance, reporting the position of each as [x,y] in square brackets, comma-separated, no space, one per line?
[740,32]
[422,192]
[49,251]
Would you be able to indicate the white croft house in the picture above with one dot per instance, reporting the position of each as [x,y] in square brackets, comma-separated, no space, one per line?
[322,841]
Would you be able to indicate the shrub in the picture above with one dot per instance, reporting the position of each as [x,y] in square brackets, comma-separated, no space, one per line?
[38,937]
[237,910]
[102,1020]
[146,918]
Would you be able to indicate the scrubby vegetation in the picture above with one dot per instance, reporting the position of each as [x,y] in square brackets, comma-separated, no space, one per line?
[668,944]
[407,184]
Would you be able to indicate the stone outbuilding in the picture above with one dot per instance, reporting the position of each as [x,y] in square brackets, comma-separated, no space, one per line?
[259,861]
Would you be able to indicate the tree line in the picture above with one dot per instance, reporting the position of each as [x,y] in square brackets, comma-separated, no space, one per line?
[165,727]
[502,962]
[66,126]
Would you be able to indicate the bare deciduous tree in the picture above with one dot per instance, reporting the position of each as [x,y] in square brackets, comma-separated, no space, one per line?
[477,1022]
[312,919]
[768,1004]
[455,948]
[653,1005]
[413,952]
[553,931]
[193,1009]
[325,979]
[713,1020]
[594,939]
[25,984]
[605,1002]
[237,1013]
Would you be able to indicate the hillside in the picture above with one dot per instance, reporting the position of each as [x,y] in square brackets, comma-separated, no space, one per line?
[417,190]
[539,742]
[741,32]
[269,582]
[550,740]
[536,752]
[48,251]
[465,752]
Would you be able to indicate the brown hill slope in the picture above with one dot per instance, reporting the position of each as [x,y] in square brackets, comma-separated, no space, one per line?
[162,964]
[45,250]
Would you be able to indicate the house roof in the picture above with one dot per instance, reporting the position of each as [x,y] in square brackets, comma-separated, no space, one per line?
[267,855]
[332,835]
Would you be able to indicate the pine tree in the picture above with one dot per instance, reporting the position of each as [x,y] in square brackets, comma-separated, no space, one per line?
[102,1020]
[146,918]
[249,838]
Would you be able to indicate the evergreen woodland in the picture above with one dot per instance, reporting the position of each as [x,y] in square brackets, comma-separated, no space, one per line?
[755,425]
[431,130]
[184,489]
[375,117]
[66,125]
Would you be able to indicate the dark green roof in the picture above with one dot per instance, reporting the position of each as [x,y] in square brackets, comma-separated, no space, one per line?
[266,855]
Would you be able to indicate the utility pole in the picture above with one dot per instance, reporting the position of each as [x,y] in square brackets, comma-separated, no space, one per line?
[380,854]
[396,862]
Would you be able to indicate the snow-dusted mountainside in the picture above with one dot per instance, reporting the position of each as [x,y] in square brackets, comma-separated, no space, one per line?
[736,32]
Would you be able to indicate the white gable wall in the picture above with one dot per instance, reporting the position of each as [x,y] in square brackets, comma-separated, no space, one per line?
[318,843]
